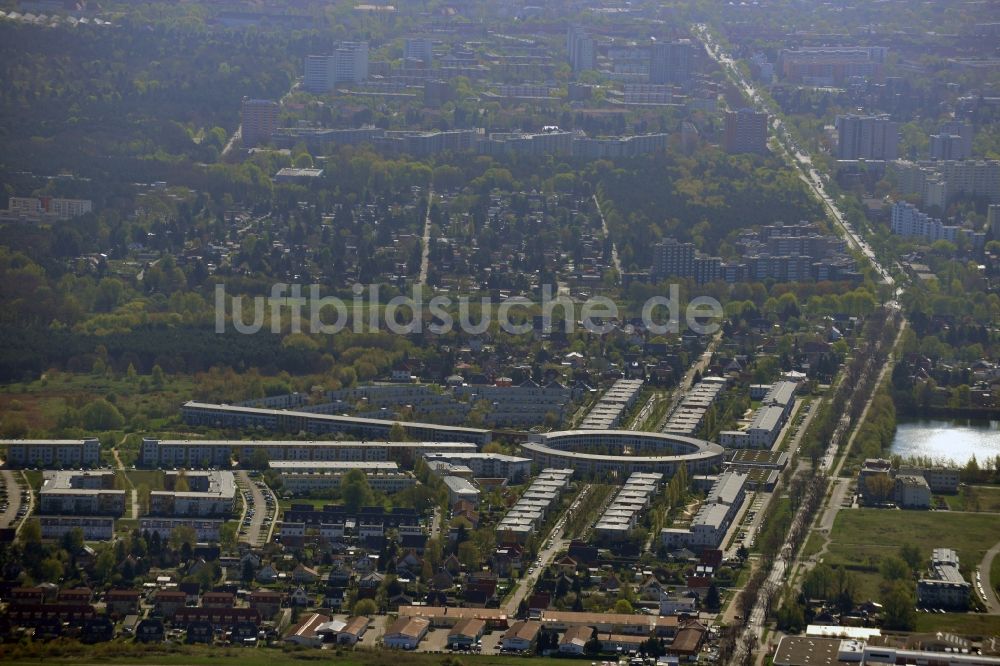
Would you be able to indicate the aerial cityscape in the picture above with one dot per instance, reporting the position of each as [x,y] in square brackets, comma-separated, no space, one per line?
[494,333]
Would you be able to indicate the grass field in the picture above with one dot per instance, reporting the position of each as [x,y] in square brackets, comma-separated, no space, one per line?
[176,655]
[151,478]
[966,624]
[865,536]
[995,573]
[984,499]
[42,402]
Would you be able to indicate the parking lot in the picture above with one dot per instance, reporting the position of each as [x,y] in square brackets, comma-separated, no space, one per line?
[260,509]
[14,501]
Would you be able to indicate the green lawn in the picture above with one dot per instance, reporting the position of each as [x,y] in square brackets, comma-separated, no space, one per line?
[812,546]
[864,536]
[966,624]
[984,499]
[151,478]
[995,573]
[176,655]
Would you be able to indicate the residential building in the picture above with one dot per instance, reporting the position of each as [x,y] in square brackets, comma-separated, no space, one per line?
[48,453]
[95,528]
[486,465]
[650,452]
[82,493]
[205,529]
[318,75]
[527,514]
[768,420]
[347,64]
[952,142]
[259,121]
[306,476]
[122,602]
[45,209]
[580,50]
[908,221]
[674,259]
[866,137]
[611,408]
[461,489]
[218,453]
[266,602]
[670,62]
[745,132]
[210,493]
[912,492]
[418,48]
[829,66]
[938,182]
[945,587]
[710,524]
[623,513]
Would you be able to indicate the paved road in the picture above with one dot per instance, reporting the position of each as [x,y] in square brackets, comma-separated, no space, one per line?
[754,629]
[425,254]
[992,602]
[797,158]
[607,234]
[232,141]
[13,490]
[527,582]
[685,384]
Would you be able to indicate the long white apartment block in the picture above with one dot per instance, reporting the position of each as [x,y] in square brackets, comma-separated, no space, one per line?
[768,420]
[709,526]
[488,465]
[219,453]
[608,412]
[688,415]
[623,514]
[52,452]
[301,477]
[81,492]
[526,516]
[208,494]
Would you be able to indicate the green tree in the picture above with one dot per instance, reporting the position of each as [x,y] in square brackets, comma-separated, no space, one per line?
[101,415]
[468,555]
[712,600]
[72,541]
[624,606]
[397,433]
[910,553]
[894,568]
[355,491]
[181,535]
[899,607]
[51,570]
[366,607]
[31,532]
[227,535]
